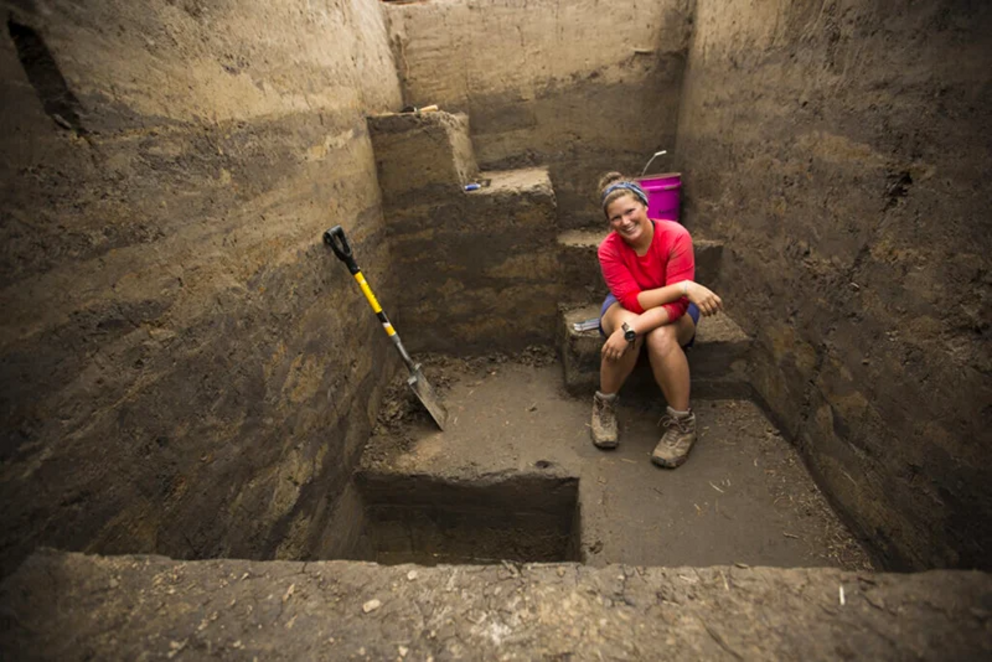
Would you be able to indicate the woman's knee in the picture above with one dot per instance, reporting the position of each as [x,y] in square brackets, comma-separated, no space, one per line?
[662,340]
[614,318]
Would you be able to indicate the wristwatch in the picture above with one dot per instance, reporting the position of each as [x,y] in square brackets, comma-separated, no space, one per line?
[628,333]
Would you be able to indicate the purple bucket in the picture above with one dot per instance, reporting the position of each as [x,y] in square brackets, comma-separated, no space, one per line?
[664,195]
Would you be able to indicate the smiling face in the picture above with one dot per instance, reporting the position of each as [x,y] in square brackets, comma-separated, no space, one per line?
[628,216]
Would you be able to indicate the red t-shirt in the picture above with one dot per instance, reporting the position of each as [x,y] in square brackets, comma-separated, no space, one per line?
[669,260]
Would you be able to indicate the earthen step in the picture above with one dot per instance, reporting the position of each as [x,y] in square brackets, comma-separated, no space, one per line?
[480,268]
[421,155]
[514,182]
[717,359]
[580,267]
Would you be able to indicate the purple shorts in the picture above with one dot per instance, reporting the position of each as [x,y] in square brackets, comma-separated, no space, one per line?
[692,311]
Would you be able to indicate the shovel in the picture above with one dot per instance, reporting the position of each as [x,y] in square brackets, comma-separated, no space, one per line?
[418,384]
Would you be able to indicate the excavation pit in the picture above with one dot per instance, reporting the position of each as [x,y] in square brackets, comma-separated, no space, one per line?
[517,445]
[422,520]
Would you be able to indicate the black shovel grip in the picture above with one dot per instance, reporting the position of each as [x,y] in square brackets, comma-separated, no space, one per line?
[339,244]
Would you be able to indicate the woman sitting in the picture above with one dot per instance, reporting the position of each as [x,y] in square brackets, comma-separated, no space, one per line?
[648,265]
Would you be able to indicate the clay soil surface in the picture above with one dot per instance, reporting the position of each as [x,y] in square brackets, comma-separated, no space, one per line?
[743,497]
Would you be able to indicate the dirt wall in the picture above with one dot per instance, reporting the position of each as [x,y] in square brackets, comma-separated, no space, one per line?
[581,87]
[185,368]
[478,270]
[841,149]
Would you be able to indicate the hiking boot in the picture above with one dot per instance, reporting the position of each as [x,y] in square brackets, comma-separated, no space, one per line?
[604,421]
[680,434]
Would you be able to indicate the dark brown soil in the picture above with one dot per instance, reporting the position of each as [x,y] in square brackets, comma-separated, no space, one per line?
[73,607]
[526,517]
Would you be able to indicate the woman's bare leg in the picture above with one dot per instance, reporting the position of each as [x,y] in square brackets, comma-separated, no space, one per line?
[668,360]
[612,374]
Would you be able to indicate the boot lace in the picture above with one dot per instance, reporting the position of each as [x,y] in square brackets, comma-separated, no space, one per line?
[674,428]
[605,408]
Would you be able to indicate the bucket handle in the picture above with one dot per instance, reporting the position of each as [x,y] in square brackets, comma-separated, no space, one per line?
[653,157]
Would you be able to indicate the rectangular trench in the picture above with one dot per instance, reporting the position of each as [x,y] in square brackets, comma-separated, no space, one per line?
[430,521]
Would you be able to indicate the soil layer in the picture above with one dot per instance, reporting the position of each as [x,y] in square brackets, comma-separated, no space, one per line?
[76,607]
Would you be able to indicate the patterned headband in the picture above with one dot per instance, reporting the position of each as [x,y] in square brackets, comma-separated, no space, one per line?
[628,186]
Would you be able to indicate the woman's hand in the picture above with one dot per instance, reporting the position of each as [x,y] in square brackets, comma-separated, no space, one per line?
[705,299]
[615,346]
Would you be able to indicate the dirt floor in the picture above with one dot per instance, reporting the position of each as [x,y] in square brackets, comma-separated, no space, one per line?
[743,497]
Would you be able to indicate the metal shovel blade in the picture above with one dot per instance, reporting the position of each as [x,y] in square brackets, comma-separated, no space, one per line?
[425,393]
